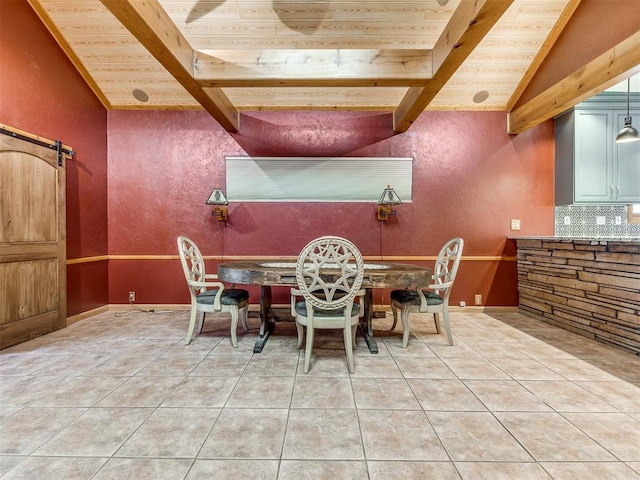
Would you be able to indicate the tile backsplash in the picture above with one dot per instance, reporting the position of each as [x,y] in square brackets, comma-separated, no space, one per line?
[586,221]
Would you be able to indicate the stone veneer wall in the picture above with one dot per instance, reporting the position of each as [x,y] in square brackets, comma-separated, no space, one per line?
[590,287]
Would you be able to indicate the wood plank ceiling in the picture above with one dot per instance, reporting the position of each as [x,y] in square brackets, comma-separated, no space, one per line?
[227,56]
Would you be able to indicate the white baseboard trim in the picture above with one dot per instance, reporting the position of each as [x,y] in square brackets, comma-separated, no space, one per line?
[117,307]
[88,314]
[255,308]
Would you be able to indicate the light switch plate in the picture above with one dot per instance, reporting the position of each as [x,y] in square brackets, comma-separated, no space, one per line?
[601,220]
[515,224]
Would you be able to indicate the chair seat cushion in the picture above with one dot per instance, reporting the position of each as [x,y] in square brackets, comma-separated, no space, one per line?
[230,296]
[301,309]
[411,297]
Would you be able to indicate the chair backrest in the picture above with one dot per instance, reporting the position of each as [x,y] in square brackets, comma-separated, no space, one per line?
[329,272]
[192,261]
[446,267]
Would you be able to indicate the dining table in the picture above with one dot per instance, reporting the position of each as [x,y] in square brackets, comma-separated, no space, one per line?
[268,274]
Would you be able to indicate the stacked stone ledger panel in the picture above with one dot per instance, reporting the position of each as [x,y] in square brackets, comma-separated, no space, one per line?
[590,287]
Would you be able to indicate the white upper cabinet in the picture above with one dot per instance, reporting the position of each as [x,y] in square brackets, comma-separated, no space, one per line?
[590,166]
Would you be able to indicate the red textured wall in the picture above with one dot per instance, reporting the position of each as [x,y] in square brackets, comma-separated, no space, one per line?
[470,179]
[42,93]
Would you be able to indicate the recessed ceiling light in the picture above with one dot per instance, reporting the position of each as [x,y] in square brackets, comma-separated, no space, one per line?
[481,96]
[140,95]
[442,3]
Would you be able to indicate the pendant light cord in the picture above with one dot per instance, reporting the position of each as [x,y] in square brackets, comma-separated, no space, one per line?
[628,96]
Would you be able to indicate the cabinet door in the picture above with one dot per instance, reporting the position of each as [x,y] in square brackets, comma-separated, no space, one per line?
[627,162]
[593,164]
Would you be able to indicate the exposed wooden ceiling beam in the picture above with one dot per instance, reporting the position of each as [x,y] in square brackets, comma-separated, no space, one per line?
[154,29]
[599,74]
[467,27]
[312,68]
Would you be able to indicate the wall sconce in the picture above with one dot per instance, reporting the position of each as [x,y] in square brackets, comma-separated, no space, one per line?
[388,200]
[218,199]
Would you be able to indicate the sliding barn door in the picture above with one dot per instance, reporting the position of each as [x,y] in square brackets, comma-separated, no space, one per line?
[32,241]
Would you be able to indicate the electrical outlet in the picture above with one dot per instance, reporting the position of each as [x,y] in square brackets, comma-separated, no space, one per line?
[601,220]
[463,303]
[132,296]
[618,220]
[567,220]
[515,224]
[477,299]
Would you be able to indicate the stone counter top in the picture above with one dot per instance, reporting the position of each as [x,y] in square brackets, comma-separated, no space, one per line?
[620,245]
[577,239]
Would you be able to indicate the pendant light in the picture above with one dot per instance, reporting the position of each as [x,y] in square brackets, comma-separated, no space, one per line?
[628,133]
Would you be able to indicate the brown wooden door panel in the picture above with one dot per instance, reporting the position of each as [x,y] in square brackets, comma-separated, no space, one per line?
[29,328]
[29,289]
[32,241]
[14,252]
[29,205]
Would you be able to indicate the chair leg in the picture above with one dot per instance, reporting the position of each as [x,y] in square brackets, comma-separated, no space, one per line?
[234,327]
[308,348]
[445,316]
[405,326]
[394,310]
[245,312]
[201,322]
[300,330]
[353,336]
[348,348]
[436,320]
[192,324]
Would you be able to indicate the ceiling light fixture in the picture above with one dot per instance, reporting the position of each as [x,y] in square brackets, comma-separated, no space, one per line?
[481,96]
[628,133]
[140,95]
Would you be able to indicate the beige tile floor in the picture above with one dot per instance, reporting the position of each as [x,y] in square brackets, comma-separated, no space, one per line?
[119,396]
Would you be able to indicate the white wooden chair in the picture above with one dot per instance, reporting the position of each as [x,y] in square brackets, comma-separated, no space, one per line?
[208,295]
[433,298]
[329,273]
